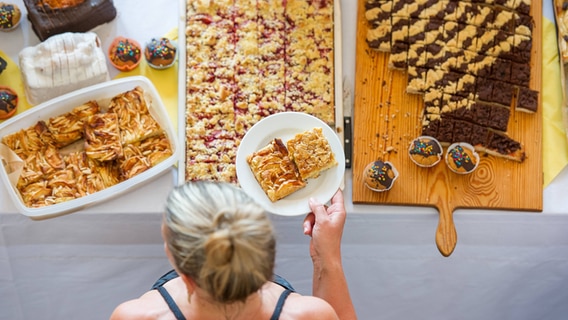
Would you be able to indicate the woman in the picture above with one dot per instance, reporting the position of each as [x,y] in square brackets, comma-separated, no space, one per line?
[222,245]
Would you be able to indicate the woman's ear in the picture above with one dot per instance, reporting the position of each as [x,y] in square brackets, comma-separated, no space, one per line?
[189,282]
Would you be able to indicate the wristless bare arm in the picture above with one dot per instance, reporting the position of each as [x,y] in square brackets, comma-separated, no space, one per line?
[325,227]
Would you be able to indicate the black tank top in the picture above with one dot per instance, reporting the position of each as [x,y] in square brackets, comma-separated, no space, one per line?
[158,285]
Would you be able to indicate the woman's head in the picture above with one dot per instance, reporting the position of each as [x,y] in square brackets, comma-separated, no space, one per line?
[220,237]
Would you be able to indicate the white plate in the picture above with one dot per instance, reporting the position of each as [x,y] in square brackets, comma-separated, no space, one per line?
[285,126]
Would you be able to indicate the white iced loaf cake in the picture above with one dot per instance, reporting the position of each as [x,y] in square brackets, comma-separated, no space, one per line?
[61,64]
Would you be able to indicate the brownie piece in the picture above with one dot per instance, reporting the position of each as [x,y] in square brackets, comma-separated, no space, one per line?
[379,37]
[467,37]
[527,100]
[434,31]
[479,135]
[501,70]
[435,55]
[522,47]
[462,131]
[484,15]
[502,143]
[481,113]
[524,24]
[416,79]
[503,19]
[445,131]
[466,86]
[416,29]
[416,55]
[399,55]
[82,17]
[401,8]
[502,93]
[432,9]
[430,128]
[449,81]
[521,74]
[486,40]
[499,119]
[378,12]
[399,29]
[465,10]
[484,88]
[523,6]
[464,113]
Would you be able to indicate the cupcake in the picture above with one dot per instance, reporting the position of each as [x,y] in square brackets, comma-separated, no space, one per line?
[8,102]
[461,158]
[380,175]
[10,16]
[160,53]
[125,54]
[425,151]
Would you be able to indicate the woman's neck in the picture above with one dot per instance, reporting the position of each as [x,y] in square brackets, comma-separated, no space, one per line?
[204,306]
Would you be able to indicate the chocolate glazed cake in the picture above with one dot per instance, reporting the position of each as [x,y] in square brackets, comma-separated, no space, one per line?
[50,17]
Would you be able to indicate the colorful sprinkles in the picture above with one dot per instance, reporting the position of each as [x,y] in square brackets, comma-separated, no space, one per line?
[9,17]
[127,51]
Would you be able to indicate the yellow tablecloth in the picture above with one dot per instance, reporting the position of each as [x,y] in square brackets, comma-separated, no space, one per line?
[555,144]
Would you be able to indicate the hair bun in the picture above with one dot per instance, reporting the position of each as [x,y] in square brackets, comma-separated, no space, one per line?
[219,248]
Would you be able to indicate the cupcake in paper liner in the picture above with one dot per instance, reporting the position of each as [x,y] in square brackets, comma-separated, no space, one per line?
[125,54]
[462,158]
[425,151]
[160,53]
[10,16]
[380,175]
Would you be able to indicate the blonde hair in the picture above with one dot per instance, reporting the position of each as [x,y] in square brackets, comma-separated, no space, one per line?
[221,238]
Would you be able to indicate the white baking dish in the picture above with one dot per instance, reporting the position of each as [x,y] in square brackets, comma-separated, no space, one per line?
[102,93]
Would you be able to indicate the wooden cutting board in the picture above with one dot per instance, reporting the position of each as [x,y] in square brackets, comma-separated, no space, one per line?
[386,119]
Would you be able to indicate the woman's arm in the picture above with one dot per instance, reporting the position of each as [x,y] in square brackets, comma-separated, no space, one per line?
[325,227]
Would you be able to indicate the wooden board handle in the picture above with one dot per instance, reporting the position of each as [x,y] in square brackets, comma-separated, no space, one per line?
[446,235]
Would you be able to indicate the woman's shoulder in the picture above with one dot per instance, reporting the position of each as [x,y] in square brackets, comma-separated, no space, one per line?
[143,308]
[307,307]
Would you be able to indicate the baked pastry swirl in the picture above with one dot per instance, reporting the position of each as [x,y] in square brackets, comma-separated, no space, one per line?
[275,171]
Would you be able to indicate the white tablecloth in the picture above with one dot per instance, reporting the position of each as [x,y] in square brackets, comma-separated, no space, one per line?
[506,265]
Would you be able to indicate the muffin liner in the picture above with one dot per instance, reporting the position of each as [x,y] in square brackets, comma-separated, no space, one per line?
[463,164]
[430,160]
[159,47]
[375,173]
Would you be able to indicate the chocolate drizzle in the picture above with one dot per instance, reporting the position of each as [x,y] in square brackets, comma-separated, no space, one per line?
[462,159]
[381,173]
[425,148]
[126,51]
[161,49]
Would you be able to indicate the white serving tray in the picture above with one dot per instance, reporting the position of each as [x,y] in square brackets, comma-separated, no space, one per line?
[102,93]
[182,81]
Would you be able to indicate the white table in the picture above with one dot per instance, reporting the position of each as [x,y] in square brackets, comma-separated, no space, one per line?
[506,265]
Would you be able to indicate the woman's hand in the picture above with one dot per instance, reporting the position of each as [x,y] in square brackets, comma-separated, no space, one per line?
[325,226]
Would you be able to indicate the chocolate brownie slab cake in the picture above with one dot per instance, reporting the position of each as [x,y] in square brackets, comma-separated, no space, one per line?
[49,17]
[248,59]
[470,61]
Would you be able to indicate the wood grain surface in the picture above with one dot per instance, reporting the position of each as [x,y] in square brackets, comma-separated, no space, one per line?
[386,119]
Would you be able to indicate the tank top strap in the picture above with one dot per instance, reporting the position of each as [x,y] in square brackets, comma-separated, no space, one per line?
[171,303]
[280,304]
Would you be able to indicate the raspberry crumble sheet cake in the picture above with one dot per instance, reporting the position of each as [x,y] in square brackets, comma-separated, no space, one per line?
[248,59]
